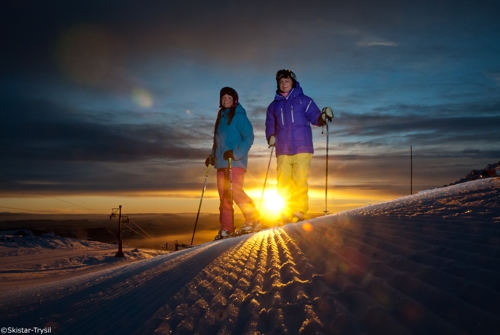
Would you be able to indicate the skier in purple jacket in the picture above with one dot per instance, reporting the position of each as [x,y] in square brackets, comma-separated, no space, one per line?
[288,128]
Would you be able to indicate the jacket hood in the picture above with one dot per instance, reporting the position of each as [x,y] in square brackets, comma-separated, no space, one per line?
[238,110]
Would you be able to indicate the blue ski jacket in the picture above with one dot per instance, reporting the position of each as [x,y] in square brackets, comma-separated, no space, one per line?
[237,136]
[289,118]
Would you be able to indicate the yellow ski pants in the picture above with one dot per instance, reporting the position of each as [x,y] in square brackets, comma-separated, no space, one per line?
[292,175]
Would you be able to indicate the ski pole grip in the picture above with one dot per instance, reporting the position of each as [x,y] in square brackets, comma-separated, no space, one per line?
[327,111]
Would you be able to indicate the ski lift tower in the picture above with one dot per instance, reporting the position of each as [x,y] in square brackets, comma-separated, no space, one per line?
[118,212]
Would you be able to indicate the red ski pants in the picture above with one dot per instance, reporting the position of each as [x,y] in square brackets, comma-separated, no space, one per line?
[243,201]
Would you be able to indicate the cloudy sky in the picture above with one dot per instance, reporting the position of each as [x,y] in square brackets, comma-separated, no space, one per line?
[113,102]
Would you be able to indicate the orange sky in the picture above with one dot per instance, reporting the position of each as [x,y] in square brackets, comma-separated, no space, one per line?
[157,203]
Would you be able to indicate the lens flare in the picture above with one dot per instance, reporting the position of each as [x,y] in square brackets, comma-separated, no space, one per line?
[307,227]
[142,97]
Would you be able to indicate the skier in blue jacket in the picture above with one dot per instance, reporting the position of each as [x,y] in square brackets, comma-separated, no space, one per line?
[233,138]
[288,121]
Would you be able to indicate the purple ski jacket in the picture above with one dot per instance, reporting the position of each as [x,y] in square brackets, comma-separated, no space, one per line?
[289,118]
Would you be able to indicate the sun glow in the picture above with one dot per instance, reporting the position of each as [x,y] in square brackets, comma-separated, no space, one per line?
[272,202]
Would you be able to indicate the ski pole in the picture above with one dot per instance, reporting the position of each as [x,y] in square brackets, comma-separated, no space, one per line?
[326,174]
[230,165]
[201,200]
[265,180]
[327,119]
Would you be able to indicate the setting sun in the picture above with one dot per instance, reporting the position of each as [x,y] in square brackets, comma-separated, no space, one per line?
[272,202]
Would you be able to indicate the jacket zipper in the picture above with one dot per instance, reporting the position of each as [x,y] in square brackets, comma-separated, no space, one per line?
[293,120]
[282,119]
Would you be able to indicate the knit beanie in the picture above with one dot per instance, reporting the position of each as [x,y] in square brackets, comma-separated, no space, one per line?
[229,91]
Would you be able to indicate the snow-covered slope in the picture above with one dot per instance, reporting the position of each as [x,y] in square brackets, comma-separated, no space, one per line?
[422,264]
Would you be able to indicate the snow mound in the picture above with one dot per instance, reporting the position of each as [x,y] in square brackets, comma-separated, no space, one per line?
[23,241]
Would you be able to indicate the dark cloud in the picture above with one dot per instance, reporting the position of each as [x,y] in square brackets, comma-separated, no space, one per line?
[45,131]
[23,178]
[444,125]
[51,148]
[237,31]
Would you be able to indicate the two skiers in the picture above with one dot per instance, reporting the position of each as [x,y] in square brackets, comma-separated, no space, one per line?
[288,120]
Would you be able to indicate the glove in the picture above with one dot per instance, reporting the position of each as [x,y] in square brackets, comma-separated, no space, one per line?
[271,141]
[210,161]
[228,154]
[327,114]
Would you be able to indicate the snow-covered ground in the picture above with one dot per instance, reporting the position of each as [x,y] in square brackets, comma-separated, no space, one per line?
[26,259]
[422,264]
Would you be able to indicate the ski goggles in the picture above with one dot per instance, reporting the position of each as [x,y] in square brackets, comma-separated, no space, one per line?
[285,74]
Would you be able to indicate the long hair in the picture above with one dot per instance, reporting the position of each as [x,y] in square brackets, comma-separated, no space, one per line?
[230,116]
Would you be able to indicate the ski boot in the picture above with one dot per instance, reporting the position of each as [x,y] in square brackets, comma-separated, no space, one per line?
[222,235]
[247,228]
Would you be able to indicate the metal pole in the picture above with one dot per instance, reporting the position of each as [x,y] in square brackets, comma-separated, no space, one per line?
[230,165]
[119,253]
[326,174]
[327,119]
[201,200]
[265,180]
[411,169]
